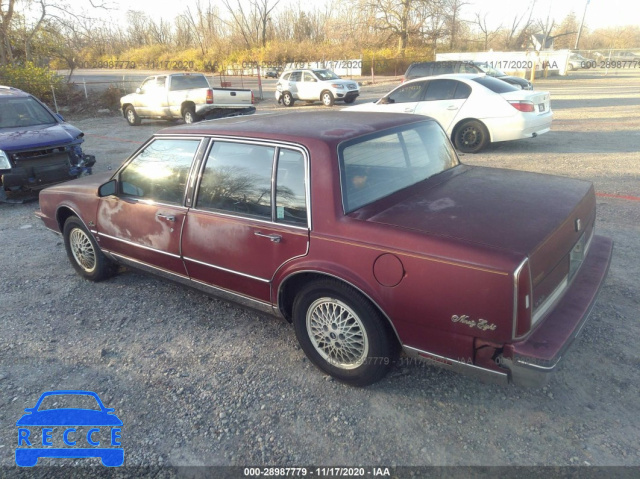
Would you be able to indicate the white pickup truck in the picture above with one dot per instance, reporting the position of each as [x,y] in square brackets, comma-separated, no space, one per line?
[183,95]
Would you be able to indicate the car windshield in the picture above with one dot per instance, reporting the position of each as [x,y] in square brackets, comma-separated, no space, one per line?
[496,86]
[380,164]
[326,75]
[23,112]
[69,401]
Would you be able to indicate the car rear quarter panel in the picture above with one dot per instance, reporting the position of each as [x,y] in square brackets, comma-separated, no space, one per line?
[438,278]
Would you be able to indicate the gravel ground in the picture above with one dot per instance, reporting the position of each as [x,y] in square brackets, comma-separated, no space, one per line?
[197,381]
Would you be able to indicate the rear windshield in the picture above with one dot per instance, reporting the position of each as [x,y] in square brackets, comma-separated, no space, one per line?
[380,164]
[419,70]
[23,112]
[495,85]
[188,82]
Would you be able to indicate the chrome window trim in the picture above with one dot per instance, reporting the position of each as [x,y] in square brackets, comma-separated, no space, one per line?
[131,243]
[516,279]
[245,275]
[270,143]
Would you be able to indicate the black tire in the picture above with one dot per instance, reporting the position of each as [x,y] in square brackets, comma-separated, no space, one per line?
[83,252]
[372,350]
[326,97]
[569,67]
[471,137]
[350,99]
[287,99]
[132,117]
[189,115]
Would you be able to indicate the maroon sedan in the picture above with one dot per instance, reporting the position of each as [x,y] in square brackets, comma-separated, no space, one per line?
[364,230]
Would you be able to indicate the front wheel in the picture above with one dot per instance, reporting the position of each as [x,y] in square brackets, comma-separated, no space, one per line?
[342,333]
[83,252]
[350,99]
[327,98]
[131,116]
[471,137]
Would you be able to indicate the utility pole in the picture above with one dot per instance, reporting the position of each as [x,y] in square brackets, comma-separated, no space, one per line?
[581,24]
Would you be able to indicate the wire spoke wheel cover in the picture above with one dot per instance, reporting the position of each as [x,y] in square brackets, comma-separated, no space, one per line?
[82,250]
[337,333]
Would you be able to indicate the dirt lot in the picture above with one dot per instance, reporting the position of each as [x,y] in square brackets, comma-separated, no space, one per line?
[197,381]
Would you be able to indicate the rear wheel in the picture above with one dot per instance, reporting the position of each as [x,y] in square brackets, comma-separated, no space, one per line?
[327,98]
[287,99]
[83,252]
[189,115]
[471,137]
[342,333]
[131,116]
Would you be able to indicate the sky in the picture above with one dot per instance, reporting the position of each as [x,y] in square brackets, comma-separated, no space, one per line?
[600,13]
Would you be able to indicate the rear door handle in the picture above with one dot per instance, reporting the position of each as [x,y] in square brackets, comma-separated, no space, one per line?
[408,110]
[452,107]
[273,237]
[166,217]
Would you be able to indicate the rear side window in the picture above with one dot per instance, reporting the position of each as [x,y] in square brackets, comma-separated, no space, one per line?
[441,90]
[495,85]
[444,68]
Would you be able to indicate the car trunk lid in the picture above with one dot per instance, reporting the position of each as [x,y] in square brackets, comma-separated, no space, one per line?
[536,216]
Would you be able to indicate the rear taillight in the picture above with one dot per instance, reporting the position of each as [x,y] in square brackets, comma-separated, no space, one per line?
[252,98]
[524,106]
[209,97]
[522,300]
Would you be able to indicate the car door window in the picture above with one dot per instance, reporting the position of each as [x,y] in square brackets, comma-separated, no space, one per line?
[440,90]
[295,76]
[291,196]
[410,92]
[160,172]
[237,179]
[308,77]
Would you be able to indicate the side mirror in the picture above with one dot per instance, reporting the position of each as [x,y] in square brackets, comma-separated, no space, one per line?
[386,100]
[60,117]
[138,90]
[108,189]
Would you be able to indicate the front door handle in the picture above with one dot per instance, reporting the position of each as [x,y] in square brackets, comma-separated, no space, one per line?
[273,237]
[166,217]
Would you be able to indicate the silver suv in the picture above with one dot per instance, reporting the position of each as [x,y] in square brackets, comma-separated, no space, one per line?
[315,85]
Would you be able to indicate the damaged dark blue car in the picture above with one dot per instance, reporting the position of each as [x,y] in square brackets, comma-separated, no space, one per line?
[37,147]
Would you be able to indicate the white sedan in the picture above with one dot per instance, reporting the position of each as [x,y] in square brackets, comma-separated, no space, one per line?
[473,109]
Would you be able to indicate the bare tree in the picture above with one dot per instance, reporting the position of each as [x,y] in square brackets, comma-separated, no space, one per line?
[518,33]
[253,23]
[6,17]
[454,8]
[488,34]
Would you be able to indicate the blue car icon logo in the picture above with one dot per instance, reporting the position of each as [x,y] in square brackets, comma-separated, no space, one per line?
[87,430]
